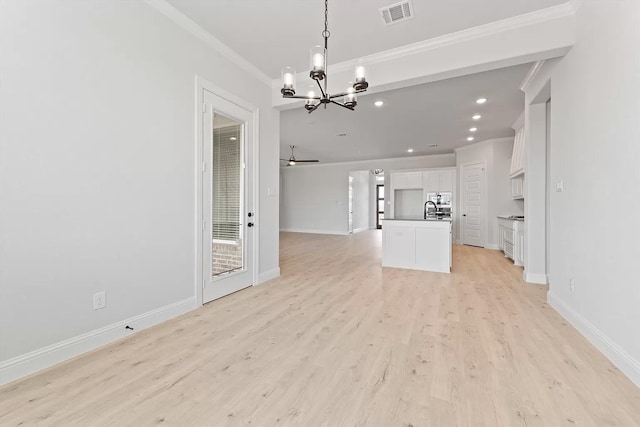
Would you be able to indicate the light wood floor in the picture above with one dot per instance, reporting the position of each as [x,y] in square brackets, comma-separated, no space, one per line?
[339,341]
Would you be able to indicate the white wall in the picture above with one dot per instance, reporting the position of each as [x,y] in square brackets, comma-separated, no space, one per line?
[315,197]
[97,172]
[595,93]
[496,154]
[361,201]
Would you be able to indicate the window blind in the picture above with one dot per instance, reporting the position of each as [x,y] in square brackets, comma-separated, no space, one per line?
[226,183]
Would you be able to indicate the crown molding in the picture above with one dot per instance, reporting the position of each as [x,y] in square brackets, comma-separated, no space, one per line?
[199,32]
[492,28]
[531,75]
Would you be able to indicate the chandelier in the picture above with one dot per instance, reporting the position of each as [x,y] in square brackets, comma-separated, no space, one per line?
[319,74]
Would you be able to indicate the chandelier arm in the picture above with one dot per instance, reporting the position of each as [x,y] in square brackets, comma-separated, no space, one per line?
[342,105]
[338,95]
[323,91]
[301,97]
[341,94]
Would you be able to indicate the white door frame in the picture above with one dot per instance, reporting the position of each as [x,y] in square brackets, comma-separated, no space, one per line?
[485,226]
[201,85]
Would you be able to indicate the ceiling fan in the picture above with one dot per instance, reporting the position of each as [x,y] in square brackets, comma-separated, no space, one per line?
[291,161]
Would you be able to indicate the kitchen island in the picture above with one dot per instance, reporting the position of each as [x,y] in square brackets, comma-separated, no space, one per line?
[417,244]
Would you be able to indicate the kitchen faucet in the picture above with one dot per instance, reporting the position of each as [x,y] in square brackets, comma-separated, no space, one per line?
[425,207]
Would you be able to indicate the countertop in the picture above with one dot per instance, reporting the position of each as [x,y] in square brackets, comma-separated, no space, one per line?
[510,218]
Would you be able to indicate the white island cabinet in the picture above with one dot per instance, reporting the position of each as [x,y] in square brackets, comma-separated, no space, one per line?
[417,244]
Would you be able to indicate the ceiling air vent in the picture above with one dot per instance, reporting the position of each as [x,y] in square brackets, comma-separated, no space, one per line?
[397,12]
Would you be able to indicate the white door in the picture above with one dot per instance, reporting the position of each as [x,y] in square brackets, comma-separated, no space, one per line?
[473,221]
[228,218]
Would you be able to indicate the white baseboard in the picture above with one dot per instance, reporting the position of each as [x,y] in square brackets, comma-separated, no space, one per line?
[492,246]
[358,230]
[300,230]
[620,358]
[268,275]
[538,279]
[50,355]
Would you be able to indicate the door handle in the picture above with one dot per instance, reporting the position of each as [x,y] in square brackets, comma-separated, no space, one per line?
[250,214]
[464,214]
[250,224]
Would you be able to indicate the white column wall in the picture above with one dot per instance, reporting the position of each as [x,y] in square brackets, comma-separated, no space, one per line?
[595,93]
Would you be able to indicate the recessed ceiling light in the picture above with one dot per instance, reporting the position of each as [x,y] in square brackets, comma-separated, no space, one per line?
[378,103]
[481,100]
[410,150]
[477,117]
[470,138]
[233,138]
[473,129]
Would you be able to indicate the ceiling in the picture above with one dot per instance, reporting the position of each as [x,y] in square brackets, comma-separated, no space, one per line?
[412,117]
[273,34]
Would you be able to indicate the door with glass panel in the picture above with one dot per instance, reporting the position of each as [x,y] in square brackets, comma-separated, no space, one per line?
[228,219]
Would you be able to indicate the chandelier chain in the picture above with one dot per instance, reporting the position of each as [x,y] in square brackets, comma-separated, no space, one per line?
[326,33]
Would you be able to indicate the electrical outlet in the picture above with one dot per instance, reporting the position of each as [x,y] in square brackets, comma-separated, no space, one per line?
[560,186]
[572,285]
[99,300]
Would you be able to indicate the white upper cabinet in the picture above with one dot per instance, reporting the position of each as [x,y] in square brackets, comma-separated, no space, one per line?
[431,181]
[517,187]
[517,159]
[439,181]
[406,180]
[447,178]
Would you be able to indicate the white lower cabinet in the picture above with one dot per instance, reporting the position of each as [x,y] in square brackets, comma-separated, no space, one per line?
[511,239]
